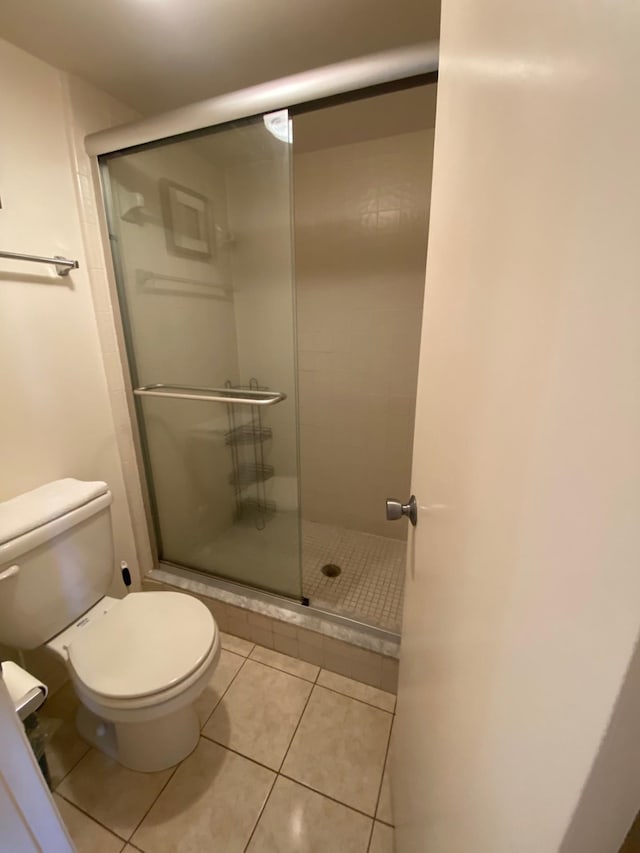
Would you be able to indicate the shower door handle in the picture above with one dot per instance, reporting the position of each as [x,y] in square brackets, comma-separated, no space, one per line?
[231,396]
[396,509]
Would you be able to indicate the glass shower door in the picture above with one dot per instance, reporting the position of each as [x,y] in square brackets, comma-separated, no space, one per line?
[200,229]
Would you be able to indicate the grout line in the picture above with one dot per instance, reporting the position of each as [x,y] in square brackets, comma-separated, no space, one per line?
[332,689]
[238,637]
[286,672]
[240,754]
[373,826]
[295,731]
[234,652]
[255,760]
[361,701]
[326,796]
[89,748]
[73,767]
[264,805]
[92,818]
[224,692]
[384,767]
[155,799]
[174,770]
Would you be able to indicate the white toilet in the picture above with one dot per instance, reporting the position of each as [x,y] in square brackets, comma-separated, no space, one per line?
[138,663]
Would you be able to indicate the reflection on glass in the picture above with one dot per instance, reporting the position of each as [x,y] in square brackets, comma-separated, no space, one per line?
[201,237]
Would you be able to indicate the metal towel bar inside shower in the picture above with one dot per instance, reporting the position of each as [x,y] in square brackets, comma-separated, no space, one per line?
[213,395]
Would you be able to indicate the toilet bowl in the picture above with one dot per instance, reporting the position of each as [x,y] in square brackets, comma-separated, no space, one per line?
[138,664]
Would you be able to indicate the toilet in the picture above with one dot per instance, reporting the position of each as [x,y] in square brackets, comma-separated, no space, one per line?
[138,664]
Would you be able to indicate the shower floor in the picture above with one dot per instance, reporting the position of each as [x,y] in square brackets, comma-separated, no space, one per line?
[370,586]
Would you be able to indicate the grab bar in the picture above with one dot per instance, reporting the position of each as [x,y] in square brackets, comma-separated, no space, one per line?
[63,265]
[213,395]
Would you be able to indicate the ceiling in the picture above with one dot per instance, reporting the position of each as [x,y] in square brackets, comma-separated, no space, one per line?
[158,54]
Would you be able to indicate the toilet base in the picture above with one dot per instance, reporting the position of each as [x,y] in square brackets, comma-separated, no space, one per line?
[147,746]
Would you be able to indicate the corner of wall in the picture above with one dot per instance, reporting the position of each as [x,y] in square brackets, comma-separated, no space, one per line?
[88,109]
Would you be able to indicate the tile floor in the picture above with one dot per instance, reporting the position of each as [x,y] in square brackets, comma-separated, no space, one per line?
[291,758]
[371,585]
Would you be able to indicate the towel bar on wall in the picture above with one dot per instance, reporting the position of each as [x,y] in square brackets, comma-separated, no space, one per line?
[63,265]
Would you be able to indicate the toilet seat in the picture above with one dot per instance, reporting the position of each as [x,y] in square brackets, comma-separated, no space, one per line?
[144,650]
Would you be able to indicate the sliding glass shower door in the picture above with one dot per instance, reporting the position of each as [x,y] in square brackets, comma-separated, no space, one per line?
[200,229]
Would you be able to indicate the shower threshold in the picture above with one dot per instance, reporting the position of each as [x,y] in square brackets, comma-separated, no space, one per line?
[280,609]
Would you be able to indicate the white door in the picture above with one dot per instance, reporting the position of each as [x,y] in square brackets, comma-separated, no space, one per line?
[518,709]
[29,820]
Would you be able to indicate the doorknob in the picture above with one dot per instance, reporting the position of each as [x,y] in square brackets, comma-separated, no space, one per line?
[396,509]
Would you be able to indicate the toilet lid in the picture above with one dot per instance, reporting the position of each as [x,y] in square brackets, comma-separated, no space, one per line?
[145,644]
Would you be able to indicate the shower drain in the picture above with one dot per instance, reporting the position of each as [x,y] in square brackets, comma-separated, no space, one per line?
[331,570]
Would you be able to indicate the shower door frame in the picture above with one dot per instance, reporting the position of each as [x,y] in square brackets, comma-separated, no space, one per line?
[136,391]
[341,82]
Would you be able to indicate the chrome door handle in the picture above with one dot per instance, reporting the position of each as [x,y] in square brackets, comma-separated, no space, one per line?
[396,509]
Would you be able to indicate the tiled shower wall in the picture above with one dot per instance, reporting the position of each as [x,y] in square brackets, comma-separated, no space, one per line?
[361,219]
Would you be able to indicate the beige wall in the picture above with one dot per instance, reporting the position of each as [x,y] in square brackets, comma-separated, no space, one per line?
[88,110]
[361,217]
[57,419]
[518,715]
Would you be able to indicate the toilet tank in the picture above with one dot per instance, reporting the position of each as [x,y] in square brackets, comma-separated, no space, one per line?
[56,559]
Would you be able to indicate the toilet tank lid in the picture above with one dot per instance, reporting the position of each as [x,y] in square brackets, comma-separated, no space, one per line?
[33,509]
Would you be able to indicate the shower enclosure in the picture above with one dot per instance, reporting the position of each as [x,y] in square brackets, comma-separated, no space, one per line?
[361,189]
[200,229]
[275,389]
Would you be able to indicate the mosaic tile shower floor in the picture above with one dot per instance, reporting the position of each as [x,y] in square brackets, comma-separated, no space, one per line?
[370,586]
